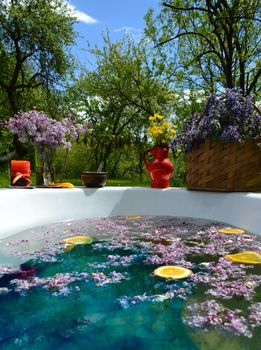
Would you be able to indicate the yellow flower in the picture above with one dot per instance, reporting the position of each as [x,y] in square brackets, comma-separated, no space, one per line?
[161,132]
[166,124]
[156,117]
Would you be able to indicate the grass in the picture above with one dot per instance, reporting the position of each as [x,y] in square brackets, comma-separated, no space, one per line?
[5,181]
[116,182]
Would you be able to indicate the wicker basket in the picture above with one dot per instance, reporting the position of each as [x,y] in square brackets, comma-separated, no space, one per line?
[224,167]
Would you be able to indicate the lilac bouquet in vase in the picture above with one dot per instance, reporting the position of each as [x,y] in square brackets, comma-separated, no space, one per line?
[47,135]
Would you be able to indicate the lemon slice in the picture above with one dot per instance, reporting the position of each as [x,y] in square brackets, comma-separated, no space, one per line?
[133,217]
[68,247]
[61,184]
[245,258]
[231,231]
[78,240]
[173,272]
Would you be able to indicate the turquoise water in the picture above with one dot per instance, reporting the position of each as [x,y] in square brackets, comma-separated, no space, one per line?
[105,296]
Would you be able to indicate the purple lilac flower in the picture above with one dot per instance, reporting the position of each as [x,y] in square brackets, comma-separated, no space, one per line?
[229,289]
[255,315]
[211,242]
[210,314]
[113,277]
[166,254]
[173,291]
[214,273]
[231,134]
[5,269]
[38,129]
[230,116]
[57,284]
[119,260]
[225,269]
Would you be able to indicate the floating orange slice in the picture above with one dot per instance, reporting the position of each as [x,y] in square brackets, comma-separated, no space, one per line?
[231,231]
[173,272]
[68,247]
[133,217]
[245,257]
[78,240]
[61,184]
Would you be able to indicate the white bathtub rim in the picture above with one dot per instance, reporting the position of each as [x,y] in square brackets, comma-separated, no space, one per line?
[22,209]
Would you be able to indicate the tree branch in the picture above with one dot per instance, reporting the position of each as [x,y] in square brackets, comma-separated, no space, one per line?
[8,156]
[30,83]
[254,81]
[197,58]
[183,34]
[185,8]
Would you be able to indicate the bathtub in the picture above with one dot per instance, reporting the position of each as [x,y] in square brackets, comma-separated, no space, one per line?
[22,209]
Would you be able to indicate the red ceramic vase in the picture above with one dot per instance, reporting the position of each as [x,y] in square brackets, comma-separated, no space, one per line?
[160,167]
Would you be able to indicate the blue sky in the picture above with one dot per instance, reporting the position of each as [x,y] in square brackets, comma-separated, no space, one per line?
[118,16]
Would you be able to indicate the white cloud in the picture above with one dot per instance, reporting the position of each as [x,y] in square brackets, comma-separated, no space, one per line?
[82,16]
[129,30]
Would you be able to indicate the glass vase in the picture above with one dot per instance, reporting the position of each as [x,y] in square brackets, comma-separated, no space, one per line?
[44,170]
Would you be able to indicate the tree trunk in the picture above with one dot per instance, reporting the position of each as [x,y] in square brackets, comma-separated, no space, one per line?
[102,165]
[12,99]
[115,165]
[20,149]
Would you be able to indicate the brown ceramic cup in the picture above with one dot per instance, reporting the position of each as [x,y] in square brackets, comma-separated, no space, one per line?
[94,179]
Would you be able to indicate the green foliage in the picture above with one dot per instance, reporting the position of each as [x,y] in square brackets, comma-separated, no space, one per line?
[118,97]
[71,164]
[6,140]
[179,176]
[35,37]
[209,44]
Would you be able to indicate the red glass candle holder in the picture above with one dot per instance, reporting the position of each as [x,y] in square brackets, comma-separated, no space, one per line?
[20,172]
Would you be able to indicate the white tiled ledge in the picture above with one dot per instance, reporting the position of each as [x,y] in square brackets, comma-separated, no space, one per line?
[21,209]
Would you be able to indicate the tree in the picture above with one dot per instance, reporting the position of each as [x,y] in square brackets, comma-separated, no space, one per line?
[118,97]
[215,43]
[35,36]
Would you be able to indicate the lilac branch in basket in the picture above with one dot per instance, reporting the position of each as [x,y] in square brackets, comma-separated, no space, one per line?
[231,117]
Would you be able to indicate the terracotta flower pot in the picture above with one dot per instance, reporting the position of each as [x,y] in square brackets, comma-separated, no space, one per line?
[94,179]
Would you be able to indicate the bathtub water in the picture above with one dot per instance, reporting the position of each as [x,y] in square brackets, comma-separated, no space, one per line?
[104,295]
